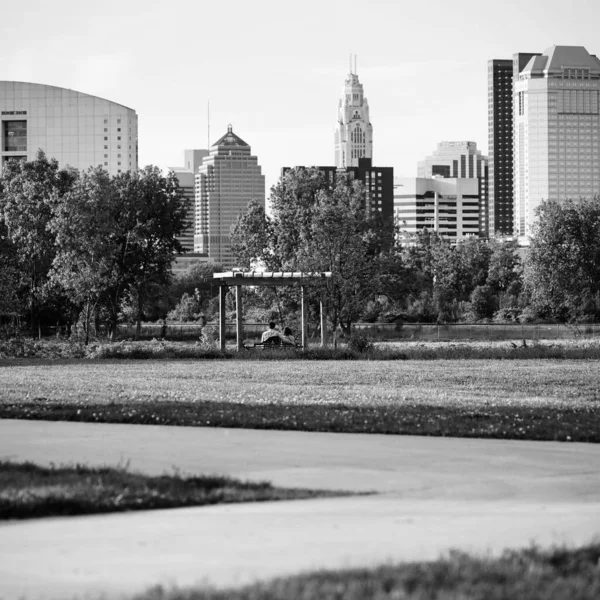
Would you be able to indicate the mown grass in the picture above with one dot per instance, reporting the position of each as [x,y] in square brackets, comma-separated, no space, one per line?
[30,491]
[531,574]
[535,400]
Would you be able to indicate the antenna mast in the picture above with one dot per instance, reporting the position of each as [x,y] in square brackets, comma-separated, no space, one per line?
[355,71]
[208,125]
[350,62]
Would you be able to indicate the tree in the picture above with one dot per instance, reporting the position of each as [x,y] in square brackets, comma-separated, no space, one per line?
[116,236]
[563,267]
[505,265]
[29,192]
[319,226]
[252,239]
[153,214]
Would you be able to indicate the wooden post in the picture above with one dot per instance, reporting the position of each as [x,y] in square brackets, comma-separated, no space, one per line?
[238,317]
[323,326]
[304,317]
[222,294]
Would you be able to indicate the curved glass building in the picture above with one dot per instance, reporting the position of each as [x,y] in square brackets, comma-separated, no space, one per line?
[77,129]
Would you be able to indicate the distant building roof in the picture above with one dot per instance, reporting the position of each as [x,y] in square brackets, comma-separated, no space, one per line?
[555,58]
[230,139]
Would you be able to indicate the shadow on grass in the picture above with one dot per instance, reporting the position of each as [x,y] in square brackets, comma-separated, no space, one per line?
[497,421]
[30,491]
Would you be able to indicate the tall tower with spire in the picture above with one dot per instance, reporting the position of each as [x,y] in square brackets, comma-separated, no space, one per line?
[353,130]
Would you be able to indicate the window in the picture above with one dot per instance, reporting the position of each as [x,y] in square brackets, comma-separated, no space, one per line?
[118,120]
[105,122]
[15,136]
[106,147]
[106,164]
[105,138]
[105,130]
[119,137]
[118,129]
[106,156]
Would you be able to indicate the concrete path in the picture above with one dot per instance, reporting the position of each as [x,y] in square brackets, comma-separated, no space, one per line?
[434,494]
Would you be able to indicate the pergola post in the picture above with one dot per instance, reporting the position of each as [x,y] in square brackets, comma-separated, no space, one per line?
[238,317]
[222,294]
[323,324]
[304,313]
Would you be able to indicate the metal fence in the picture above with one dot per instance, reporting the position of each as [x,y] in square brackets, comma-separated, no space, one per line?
[476,331]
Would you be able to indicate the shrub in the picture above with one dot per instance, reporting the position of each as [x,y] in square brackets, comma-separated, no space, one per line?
[360,343]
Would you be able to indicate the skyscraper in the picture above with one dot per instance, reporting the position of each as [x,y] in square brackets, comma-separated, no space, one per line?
[353,138]
[501,74]
[186,176]
[460,160]
[76,129]
[556,130]
[228,178]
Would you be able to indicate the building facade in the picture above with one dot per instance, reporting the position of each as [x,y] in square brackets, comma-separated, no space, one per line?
[226,181]
[186,176]
[448,206]
[353,137]
[556,130]
[502,73]
[460,160]
[76,129]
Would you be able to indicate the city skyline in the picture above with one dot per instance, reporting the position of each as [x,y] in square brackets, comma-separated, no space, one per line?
[278,77]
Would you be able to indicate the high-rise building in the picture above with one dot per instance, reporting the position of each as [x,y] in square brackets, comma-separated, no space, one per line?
[501,75]
[460,160]
[353,138]
[556,130]
[378,182]
[226,181]
[76,129]
[186,176]
[448,206]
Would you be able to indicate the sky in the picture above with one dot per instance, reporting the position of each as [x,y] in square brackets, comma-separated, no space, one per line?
[275,70]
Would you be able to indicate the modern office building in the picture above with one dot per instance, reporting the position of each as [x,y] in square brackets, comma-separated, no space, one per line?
[556,130]
[353,137]
[77,129]
[186,176]
[448,206]
[501,76]
[226,181]
[460,160]
[378,182]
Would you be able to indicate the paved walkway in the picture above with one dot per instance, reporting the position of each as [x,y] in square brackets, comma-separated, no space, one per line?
[434,494]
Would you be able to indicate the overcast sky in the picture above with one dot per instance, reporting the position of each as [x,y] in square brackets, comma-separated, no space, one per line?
[275,69]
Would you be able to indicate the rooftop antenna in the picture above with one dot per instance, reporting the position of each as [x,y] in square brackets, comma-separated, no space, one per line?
[350,62]
[208,125]
[355,71]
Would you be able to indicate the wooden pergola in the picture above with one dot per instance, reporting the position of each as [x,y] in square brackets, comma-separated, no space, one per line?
[238,279]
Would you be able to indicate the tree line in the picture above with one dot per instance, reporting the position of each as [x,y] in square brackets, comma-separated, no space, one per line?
[95,250]
[79,247]
[380,273]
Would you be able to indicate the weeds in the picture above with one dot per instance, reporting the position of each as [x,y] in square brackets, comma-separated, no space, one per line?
[530,574]
[359,347]
[30,491]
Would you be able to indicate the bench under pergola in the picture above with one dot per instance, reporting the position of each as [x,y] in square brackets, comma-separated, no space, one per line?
[238,279]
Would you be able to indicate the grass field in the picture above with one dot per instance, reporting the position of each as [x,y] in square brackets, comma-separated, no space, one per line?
[519,399]
[532,574]
[30,491]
